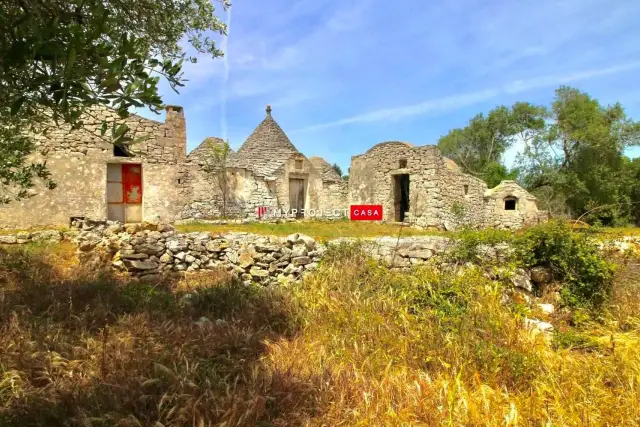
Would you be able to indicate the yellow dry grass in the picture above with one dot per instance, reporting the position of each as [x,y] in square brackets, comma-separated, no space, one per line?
[353,345]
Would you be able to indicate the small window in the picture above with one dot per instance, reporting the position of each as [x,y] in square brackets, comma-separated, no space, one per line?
[466,189]
[403,163]
[298,164]
[510,204]
[120,151]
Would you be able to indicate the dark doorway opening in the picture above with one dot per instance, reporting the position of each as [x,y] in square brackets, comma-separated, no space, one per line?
[400,196]
[120,151]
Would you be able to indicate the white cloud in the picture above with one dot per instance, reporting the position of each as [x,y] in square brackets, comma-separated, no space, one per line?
[455,102]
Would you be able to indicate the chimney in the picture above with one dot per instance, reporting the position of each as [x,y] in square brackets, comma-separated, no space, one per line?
[175,121]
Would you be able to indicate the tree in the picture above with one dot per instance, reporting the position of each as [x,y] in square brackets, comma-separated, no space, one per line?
[478,147]
[336,167]
[61,58]
[215,164]
[579,153]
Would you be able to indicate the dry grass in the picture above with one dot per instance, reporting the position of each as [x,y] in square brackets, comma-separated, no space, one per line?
[354,345]
[321,230]
[325,230]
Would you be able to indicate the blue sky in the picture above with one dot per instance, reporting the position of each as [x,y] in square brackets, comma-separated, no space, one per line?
[342,76]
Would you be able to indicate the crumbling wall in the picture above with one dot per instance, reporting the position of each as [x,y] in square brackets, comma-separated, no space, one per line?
[78,162]
[525,212]
[440,195]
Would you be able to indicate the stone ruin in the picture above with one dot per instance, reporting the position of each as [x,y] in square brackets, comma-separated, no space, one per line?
[156,180]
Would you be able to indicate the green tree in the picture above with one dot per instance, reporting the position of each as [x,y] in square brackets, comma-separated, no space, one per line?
[61,58]
[478,147]
[215,164]
[579,153]
[336,167]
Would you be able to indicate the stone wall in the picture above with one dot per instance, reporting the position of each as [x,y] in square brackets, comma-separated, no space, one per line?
[526,212]
[437,189]
[441,195]
[152,250]
[78,163]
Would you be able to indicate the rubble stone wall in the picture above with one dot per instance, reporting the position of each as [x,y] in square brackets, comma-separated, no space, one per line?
[440,194]
[435,186]
[78,162]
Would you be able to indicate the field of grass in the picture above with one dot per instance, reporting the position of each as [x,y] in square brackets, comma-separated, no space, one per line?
[321,230]
[355,344]
[326,230]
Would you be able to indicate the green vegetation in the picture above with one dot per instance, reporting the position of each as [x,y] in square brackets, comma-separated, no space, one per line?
[322,230]
[354,344]
[574,259]
[573,158]
[60,58]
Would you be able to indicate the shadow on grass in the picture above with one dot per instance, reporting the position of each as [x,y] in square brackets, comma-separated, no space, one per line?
[89,348]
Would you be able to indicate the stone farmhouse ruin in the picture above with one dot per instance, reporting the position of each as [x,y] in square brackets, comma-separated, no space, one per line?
[157,180]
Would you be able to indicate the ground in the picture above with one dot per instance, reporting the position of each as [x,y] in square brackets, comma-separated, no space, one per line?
[326,230]
[354,344]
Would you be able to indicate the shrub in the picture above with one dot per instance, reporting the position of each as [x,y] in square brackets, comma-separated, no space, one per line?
[574,259]
[469,245]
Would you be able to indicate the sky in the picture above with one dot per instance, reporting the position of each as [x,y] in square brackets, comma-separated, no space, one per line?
[342,76]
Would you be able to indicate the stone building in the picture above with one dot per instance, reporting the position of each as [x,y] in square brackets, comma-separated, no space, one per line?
[157,180]
[95,179]
[267,171]
[419,185]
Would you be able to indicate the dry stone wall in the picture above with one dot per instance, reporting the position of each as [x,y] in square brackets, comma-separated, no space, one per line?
[78,162]
[152,250]
[440,195]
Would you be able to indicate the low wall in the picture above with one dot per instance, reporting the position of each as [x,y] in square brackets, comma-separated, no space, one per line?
[152,250]
[149,250]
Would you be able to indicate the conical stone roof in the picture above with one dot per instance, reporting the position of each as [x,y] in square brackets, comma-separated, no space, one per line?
[203,153]
[267,148]
[329,174]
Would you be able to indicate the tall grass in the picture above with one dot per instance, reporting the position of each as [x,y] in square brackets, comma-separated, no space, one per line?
[353,344]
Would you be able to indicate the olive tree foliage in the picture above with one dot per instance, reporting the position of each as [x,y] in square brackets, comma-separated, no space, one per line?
[215,165]
[59,59]
[578,157]
[478,147]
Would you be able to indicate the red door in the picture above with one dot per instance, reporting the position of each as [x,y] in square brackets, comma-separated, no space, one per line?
[124,192]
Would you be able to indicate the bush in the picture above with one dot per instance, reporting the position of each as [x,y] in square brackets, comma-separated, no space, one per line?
[574,259]
[470,242]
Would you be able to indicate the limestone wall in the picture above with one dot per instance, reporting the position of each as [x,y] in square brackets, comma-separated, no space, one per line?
[526,209]
[441,195]
[78,163]
[436,186]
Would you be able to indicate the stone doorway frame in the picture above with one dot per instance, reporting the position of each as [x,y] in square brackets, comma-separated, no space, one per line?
[401,196]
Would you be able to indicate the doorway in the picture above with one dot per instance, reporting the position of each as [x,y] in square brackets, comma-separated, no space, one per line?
[124,192]
[400,196]
[296,196]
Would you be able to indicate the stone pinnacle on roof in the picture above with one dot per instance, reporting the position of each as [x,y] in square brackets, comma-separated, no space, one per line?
[268,147]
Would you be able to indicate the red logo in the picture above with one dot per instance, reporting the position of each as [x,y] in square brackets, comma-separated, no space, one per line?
[366,213]
[261,211]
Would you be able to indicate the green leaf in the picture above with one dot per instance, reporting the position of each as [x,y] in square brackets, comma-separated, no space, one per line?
[17,104]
